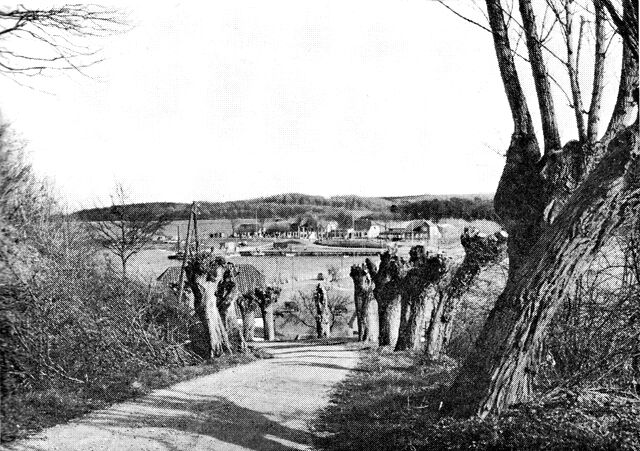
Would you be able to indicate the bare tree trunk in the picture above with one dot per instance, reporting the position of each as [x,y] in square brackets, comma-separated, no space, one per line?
[500,369]
[598,75]
[368,326]
[323,315]
[540,78]
[480,251]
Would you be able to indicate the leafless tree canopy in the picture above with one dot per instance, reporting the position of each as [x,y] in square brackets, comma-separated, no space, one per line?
[34,41]
[128,228]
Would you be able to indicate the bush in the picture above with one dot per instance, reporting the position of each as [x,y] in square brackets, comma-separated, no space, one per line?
[73,330]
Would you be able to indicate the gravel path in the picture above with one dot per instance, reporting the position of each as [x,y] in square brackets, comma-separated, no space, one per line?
[265,405]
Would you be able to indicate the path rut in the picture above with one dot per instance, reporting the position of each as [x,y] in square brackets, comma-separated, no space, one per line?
[264,405]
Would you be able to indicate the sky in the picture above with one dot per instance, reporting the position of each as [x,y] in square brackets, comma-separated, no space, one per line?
[224,100]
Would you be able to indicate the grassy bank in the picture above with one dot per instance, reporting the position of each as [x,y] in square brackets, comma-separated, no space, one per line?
[26,413]
[391,400]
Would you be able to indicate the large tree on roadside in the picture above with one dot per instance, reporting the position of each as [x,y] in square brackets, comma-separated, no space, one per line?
[559,210]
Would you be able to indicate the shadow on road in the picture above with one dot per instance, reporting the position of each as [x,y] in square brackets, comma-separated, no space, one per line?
[211,416]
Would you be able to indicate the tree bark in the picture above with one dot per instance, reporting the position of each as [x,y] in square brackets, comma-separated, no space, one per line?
[540,78]
[480,251]
[500,369]
[323,315]
[368,325]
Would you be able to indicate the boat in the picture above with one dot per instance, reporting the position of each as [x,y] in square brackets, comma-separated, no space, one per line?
[176,256]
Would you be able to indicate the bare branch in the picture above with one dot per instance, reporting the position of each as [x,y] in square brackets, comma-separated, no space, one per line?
[55,37]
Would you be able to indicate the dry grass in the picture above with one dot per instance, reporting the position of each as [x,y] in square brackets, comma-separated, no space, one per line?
[391,402]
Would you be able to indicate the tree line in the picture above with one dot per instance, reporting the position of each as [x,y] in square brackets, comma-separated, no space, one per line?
[454,207]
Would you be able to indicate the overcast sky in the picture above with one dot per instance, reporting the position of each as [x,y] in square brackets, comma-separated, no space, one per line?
[224,100]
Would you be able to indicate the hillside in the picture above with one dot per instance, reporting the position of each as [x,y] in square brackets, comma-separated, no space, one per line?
[283,206]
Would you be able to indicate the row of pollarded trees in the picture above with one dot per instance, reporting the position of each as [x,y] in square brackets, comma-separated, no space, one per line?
[221,291]
[396,299]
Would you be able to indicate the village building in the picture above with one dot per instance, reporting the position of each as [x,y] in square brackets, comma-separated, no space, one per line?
[248,230]
[417,229]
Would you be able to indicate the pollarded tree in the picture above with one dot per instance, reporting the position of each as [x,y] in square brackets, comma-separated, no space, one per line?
[559,210]
[366,304]
[227,300]
[302,309]
[244,280]
[388,278]
[202,278]
[417,301]
[480,251]
[266,300]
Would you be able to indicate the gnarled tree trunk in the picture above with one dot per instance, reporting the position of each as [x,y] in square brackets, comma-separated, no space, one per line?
[388,292]
[500,369]
[366,304]
[480,251]
[603,194]
[247,306]
[227,295]
[424,272]
[267,299]
[203,281]
[323,315]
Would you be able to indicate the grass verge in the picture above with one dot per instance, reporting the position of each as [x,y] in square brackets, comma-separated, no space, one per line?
[391,401]
[27,413]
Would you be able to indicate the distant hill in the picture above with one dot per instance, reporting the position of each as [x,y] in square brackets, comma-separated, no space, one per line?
[287,205]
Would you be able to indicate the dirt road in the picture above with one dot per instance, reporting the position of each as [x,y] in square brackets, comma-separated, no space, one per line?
[265,405]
